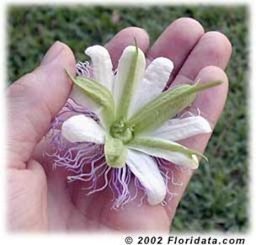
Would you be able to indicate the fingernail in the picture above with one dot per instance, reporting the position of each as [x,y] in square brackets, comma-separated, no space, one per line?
[52,53]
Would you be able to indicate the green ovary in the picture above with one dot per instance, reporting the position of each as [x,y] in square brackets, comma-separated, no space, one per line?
[120,130]
[116,144]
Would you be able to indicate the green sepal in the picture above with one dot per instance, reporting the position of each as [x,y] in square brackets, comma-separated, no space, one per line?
[166,106]
[165,145]
[98,94]
[129,85]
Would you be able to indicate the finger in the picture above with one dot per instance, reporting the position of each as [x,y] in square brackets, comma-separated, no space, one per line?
[27,199]
[177,41]
[212,49]
[124,38]
[34,100]
[210,103]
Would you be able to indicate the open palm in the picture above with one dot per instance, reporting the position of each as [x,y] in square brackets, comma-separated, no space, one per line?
[39,197]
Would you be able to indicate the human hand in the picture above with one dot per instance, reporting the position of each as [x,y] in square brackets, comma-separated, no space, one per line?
[39,197]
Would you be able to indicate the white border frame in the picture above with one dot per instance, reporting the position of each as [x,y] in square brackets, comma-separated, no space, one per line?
[119,238]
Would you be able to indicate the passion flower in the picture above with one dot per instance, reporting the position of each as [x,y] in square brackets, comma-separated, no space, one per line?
[123,124]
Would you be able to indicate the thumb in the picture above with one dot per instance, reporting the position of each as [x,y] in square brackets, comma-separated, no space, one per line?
[34,100]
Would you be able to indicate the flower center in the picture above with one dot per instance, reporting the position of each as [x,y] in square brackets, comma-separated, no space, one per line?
[120,130]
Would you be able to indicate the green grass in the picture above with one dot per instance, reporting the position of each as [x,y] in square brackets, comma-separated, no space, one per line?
[216,198]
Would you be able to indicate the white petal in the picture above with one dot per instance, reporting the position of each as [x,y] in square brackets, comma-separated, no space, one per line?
[102,65]
[146,170]
[174,157]
[123,69]
[182,128]
[80,128]
[155,79]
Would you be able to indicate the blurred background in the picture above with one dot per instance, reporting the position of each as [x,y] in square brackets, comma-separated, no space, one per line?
[216,198]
